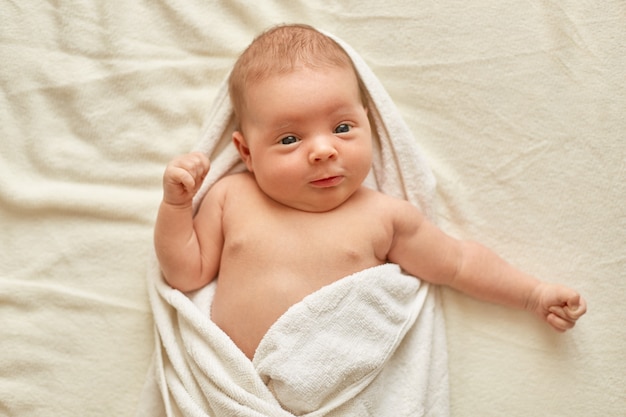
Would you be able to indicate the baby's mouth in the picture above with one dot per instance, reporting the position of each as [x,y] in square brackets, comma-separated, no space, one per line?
[328,181]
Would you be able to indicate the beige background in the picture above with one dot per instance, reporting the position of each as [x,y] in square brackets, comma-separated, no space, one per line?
[519,106]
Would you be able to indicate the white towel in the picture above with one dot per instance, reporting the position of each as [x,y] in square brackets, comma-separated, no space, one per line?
[369,344]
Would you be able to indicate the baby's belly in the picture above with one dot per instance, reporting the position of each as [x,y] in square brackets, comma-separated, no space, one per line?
[245,307]
[246,312]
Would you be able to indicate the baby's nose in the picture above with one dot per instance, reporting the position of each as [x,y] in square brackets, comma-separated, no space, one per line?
[322,149]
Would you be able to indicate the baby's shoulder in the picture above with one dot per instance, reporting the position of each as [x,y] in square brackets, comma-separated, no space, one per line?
[395,209]
[232,182]
[384,201]
[226,188]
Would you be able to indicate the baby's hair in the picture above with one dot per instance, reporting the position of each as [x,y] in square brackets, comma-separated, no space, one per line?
[281,50]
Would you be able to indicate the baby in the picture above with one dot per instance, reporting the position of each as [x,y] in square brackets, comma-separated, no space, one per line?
[300,217]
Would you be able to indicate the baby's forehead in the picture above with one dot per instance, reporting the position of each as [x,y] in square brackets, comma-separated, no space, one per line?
[302,96]
[306,74]
[304,77]
[281,52]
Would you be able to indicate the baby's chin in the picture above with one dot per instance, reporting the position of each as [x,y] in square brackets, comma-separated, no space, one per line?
[311,208]
[316,205]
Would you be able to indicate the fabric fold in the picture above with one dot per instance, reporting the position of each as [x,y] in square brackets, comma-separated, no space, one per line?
[326,349]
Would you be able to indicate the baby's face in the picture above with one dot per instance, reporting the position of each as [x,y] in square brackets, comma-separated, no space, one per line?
[306,137]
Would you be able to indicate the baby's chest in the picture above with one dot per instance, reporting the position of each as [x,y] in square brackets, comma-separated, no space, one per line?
[310,239]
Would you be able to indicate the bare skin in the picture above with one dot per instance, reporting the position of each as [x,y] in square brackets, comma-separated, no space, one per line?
[260,278]
[300,218]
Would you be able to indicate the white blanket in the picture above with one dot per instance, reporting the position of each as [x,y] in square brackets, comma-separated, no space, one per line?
[370,344]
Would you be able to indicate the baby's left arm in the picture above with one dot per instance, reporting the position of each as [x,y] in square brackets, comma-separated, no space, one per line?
[425,251]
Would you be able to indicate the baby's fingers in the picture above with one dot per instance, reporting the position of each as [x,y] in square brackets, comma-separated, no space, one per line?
[558,322]
[576,307]
[183,176]
[202,163]
[564,317]
[176,181]
[195,163]
[189,169]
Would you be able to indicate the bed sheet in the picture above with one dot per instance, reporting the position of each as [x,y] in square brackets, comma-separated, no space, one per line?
[520,107]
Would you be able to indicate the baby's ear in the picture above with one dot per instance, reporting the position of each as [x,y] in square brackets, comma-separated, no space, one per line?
[243,149]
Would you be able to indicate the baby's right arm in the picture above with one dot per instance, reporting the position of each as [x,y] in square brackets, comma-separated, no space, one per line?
[179,248]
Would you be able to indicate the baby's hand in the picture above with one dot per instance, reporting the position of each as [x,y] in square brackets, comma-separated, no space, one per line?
[183,177]
[558,305]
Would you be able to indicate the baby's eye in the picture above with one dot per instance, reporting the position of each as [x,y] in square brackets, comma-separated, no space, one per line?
[288,140]
[343,128]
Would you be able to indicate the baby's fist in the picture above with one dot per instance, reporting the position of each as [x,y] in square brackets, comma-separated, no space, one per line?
[560,306]
[183,177]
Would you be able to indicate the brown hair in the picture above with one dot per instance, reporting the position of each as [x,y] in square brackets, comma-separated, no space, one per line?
[281,50]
